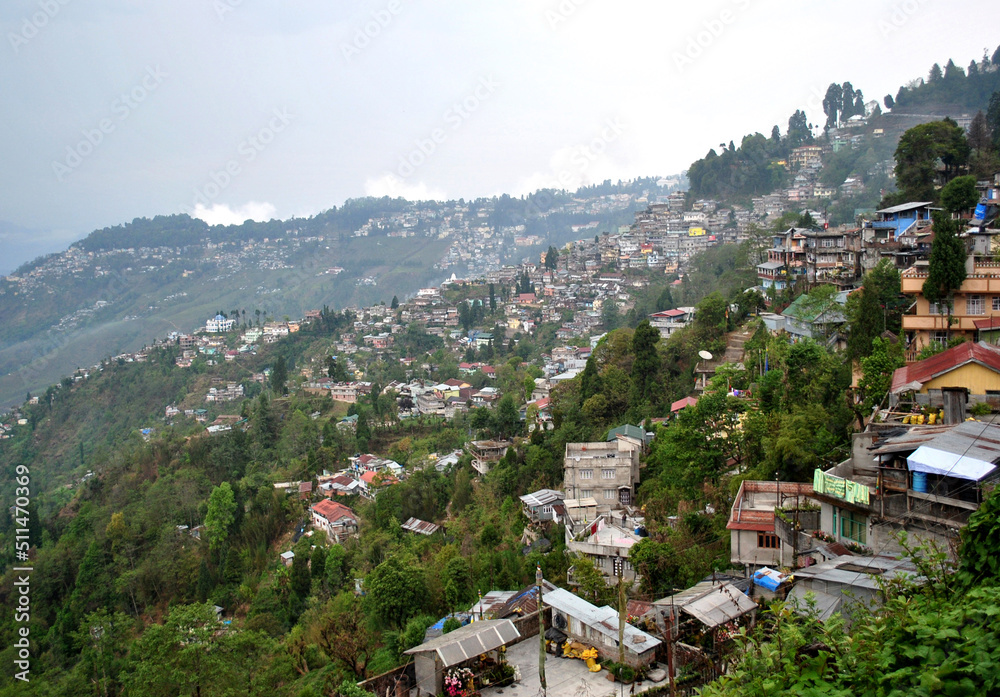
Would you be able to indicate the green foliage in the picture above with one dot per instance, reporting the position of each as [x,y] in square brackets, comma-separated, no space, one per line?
[396,591]
[960,194]
[877,369]
[877,307]
[946,268]
[220,515]
[918,153]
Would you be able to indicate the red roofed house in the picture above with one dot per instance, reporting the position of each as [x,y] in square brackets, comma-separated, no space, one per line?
[669,321]
[974,366]
[681,403]
[526,298]
[336,519]
[753,540]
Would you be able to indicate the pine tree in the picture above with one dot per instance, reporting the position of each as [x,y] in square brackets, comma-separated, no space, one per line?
[946,268]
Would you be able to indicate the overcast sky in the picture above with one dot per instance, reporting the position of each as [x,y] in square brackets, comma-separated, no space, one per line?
[116,109]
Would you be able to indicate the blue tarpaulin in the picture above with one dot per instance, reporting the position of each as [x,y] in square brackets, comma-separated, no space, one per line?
[768,578]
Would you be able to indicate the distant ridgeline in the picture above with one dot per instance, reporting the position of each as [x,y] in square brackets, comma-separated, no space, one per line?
[759,164]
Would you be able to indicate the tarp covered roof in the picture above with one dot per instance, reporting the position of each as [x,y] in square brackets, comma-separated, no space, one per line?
[469,641]
[940,462]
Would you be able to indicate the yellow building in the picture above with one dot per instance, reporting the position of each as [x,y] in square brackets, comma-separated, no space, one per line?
[978,299]
[972,366]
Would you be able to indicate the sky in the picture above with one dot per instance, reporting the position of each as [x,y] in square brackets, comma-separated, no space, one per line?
[236,109]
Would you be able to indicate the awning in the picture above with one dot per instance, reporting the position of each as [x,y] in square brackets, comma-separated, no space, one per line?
[940,462]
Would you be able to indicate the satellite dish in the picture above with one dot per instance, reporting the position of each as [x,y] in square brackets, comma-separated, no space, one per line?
[706,355]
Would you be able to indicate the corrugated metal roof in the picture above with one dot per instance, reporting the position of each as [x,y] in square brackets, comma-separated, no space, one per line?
[974,439]
[420,526]
[542,497]
[719,605]
[601,619]
[469,641]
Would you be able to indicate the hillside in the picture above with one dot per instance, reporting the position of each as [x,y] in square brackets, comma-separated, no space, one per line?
[860,150]
[120,288]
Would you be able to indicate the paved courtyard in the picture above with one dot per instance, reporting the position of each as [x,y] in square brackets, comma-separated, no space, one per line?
[564,677]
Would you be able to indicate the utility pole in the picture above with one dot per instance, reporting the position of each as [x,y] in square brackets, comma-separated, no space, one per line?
[541,630]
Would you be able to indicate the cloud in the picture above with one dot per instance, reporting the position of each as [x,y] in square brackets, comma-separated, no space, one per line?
[222,214]
[393,186]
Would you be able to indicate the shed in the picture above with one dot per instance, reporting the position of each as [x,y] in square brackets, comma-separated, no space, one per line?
[433,657]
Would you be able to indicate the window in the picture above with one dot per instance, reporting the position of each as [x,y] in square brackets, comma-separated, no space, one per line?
[940,338]
[996,303]
[609,494]
[607,474]
[768,540]
[853,526]
[586,493]
[586,474]
[625,497]
[937,309]
[975,305]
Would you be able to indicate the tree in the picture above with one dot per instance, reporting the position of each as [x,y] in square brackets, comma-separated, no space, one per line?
[993,117]
[935,73]
[395,591]
[220,515]
[959,194]
[946,267]
[395,303]
[335,369]
[300,576]
[179,657]
[493,299]
[877,307]
[646,366]
[832,104]
[876,372]
[279,376]
[918,153]
[888,101]
[343,633]
[507,419]
[551,258]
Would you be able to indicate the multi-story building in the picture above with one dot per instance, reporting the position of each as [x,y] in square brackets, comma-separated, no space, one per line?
[754,541]
[975,305]
[608,472]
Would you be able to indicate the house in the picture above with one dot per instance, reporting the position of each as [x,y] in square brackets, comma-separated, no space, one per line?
[421,527]
[219,323]
[975,306]
[896,220]
[753,540]
[838,584]
[924,480]
[669,321]
[598,627]
[607,471]
[681,403]
[336,519]
[606,539]
[432,658]
[287,557]
[972,366]
[541,506]
[486,453]
[305,490]
[809,318]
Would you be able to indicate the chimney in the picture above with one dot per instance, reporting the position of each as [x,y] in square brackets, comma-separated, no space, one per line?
[955,399]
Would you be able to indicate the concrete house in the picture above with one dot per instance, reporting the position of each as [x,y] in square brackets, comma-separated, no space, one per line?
[608,472]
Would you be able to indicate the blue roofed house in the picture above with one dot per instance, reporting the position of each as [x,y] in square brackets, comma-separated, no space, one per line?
[896,220]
